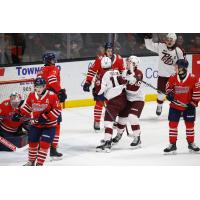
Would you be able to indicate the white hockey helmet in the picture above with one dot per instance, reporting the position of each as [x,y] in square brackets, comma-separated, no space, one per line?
[171,36]
[15,99]
[106,63]
[134,60]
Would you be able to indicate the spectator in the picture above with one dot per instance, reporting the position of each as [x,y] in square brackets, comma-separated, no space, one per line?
[34,47]
[76,44]
[180,41]
[195,47]
[18,46]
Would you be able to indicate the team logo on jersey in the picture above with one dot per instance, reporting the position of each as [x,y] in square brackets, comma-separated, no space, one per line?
[6,104]
[167,58]
[47,101]
[181,90]
[39,107]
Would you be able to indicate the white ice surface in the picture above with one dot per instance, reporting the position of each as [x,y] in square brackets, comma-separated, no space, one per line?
[78,142]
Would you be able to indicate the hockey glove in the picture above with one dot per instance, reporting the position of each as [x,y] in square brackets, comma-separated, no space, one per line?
[170,96]
[42,119]
[100,97]
[16,117]
[86,86]
[62,95]
[148,35]
[192,105]
[131,79]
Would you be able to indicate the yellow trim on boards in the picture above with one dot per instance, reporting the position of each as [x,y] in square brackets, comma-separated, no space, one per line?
[91,102]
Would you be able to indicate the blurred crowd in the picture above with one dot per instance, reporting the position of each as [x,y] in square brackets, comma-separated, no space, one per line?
[17,48]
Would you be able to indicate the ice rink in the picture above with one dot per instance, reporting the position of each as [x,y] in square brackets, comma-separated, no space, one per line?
[78,142]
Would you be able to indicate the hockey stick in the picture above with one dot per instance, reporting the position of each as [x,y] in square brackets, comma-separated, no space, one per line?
[159,91]
[113,118]
[22,118]
[10,145]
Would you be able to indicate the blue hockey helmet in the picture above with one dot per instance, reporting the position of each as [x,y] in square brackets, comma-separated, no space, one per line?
[39,81]
[48,58]
[108,45]
[182,63]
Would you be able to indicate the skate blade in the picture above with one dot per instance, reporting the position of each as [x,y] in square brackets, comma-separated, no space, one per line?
[136,147]
[193,152]
[114,143]
[170,153]
[103,150]
[53,158]
[97,131]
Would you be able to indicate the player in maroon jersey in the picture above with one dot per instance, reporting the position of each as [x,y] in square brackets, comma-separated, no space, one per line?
[134,104]
[51,73]
[112,90]
[183,90]
[45,108]
[168,53]
[96,71]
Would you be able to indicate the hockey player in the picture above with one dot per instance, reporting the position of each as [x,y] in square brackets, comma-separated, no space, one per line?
[51,73]
[112,90]
[185,88]
[7,108]
[135,103]
[45,109]
[168,53]
[95,71]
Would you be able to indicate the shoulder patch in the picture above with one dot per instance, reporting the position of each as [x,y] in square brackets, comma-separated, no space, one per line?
[54,72]
[6,103]
[192,75]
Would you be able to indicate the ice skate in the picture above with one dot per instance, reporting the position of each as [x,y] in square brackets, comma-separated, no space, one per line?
[193,148]
[114,125]
[117,138]
[30,163]
[136,142]
[105,147]
[97,127]
[159,110]
[54,154]
[171,149]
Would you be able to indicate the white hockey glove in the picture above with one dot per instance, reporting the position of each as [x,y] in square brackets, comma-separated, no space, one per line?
[131,79]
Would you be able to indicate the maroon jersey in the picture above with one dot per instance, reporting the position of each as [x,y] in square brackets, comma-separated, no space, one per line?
[185,90]
[139,76]
[6,123]
[47,105]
